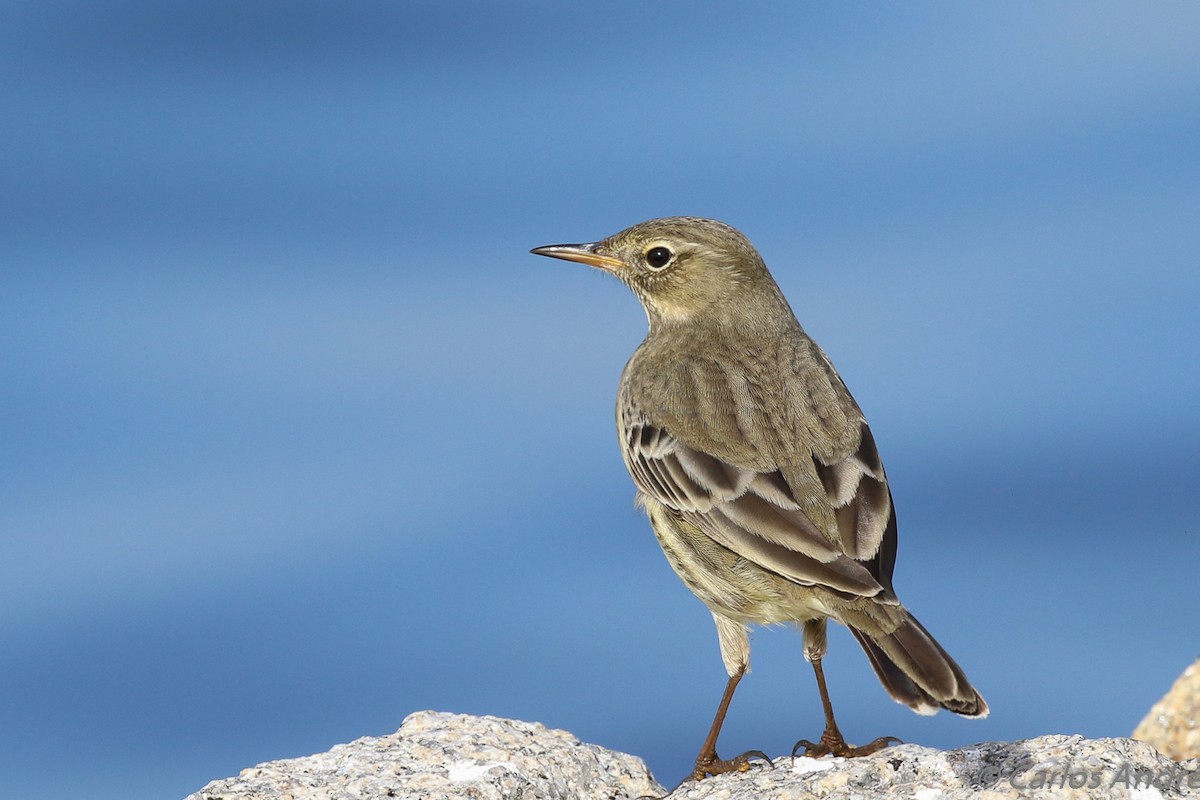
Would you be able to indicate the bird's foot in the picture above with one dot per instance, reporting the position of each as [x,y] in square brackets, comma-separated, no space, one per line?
[711,764]
[832,744]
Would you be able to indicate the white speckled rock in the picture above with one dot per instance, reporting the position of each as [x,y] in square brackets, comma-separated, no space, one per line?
[437,755]
[1046,768]
[1173,725]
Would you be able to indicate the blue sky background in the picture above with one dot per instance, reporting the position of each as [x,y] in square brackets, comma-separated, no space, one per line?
[298,438]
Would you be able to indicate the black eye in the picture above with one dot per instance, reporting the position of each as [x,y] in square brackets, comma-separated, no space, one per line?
[657,257]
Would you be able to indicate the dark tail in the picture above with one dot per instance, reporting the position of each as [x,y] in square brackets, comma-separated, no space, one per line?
[917,672]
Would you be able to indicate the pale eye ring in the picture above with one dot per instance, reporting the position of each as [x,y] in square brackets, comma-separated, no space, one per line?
[658,257]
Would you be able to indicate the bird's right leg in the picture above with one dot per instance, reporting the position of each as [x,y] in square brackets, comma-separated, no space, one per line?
[832,742]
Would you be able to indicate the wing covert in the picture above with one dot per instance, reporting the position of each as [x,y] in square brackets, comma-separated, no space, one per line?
[756,513]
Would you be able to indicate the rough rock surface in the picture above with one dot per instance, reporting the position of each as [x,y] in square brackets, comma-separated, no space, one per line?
[1058,767]
[437,755]
[1173,724]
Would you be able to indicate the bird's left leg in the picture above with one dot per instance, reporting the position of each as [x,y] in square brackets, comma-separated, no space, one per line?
[832,742]
[735,652]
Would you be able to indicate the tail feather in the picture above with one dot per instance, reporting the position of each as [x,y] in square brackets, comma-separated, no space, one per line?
[917,672]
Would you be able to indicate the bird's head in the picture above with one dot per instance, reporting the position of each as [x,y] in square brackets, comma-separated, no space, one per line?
[682,269]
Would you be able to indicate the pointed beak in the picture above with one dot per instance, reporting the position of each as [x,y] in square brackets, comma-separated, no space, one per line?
[583,253]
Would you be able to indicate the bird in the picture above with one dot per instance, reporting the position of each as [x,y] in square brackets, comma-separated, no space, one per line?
[758,472]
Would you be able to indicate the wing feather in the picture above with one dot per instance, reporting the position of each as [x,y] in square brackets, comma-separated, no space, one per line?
[756,514]
[856,488]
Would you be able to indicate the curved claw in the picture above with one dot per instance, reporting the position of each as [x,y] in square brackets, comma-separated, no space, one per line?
[809,748]
[749,754]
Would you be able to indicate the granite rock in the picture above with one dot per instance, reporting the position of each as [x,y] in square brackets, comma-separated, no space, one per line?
[1173,724]
[1057,767]
[439,755]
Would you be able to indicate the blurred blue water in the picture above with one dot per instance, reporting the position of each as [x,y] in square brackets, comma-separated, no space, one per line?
[298,439]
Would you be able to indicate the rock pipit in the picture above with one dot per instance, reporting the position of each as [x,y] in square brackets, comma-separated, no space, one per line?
[758,471]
